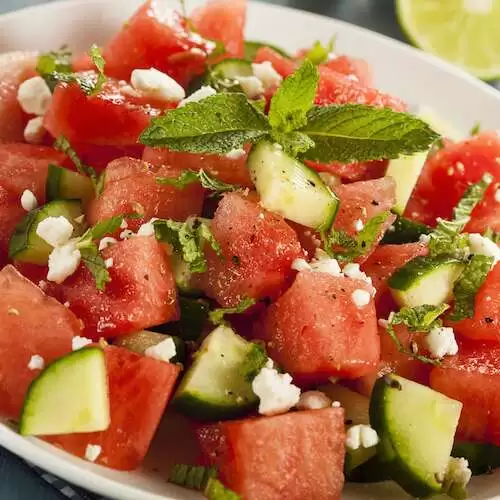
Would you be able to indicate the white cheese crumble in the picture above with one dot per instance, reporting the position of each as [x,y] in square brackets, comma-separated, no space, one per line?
[336,404]
[148,228]
[28,200]
[109,263]
[301,265]
[79,342]
[164,351]
[63,262]
[354,272]
[458,471]
[55,231]
[497,195]
[106,242]
[361,298]
[36,362]
[441,342]
[126,234]
[275,390]
[157,85]
[34,132]
[266,73]
[361,435]
[424,238]
[251,85]
[480,245]
[92,452]
[358,225]
[34,96]
[313,400]
[236,154]
[329,266]
[199,95]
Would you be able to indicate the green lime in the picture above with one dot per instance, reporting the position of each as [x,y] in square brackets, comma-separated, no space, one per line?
[465,32]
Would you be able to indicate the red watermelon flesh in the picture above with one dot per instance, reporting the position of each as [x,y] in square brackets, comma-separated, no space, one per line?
[352,172]
[380,266]
[358,69]
[141,293]
[99,157]
[232,171]
[297,456]
[32,323]
[283,65]
[258,250]
[473,377]
[111,118]
[131,187]
[485,324]
[139,390]
[15,68]
[316,331]
[223,21]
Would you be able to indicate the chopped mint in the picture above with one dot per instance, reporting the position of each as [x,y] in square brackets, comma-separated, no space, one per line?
[492,235]
[54,62]
[217,315]
[96,56]
[215,490]
[191,476]
[188,177]
[318,53]
[476,128]
[254,361]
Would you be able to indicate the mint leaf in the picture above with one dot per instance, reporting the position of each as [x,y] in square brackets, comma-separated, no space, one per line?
[213,184]
[101,229]
[215,490]
[188,177]
[217,315]
[492,235]
[54,62]
[255,359]
[356,132]
[467,286]
[188,240]
[476,128]
[95,264]
[217,124]
[294,143]
[417,319]
[194,477]
[294,98]
[96,56]
[319,54]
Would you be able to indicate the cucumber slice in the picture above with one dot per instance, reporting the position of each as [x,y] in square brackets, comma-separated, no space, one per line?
[356,458]
[26,246]
[371,471]
[425,280]
[232,68]
[251,48]
[356,406]
[405,170]
[482,458]
[405,231]
[69,396]
[64,184]
[214,387]
[289,188]
[416,426]
[183,276]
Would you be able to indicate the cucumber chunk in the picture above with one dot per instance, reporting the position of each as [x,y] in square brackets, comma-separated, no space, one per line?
[64,184]
[356,406]
[26,246]
[232,68]
[289,188]
[404,231]
[251,48]
[425,280]
[416,427]
[371,471]
[356,458]
[69,396]
[214,387]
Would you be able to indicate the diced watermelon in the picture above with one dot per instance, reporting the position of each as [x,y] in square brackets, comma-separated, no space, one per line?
[362,201]
[139,390]
[353,172]
[296,456]
[485,324]
[141,294]
[473,377]
[130,187]
[110,118]
[358,69]
[380,266]
[335,88]
[283,65]
[316,331]
[258,249]
[100,156]
[158,37]
[232,171]
[32,324]
[223,21]
[449,172]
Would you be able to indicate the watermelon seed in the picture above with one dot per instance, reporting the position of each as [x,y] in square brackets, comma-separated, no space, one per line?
[488,320]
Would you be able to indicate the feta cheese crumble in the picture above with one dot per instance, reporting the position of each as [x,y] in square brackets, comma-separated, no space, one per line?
[36,362]
[106,242]
[266,73]
[361,298]
[361,435]
[164,351]
[251,85]
[275,390]
[34,132]
[497,195]
[236,154]
[109,263]
[157,85]
[358,225]
[425,239]
[63,262]
[458,472]
[79,342]
[28,200]
[199,95]
[126,234]
[480,245]
[92,452]
[354,272]
[34,96]
[301,265]
[441,342]
[313,400]
[147,229]
[55,231]
[329,266]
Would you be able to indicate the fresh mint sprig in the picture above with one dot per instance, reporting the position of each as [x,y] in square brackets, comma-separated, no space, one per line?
[216,316]
[188,177]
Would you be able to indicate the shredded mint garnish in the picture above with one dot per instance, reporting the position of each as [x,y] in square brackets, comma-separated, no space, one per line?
[99,62]
[492,235]
[191,476]
[476,128]
[188,177]
[254,361]
[216,316]
[319,54]
[53,63]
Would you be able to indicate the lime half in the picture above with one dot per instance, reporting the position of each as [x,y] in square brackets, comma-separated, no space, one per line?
[465,32]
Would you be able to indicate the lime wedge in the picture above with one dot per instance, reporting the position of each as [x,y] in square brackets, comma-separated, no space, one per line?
[465,32]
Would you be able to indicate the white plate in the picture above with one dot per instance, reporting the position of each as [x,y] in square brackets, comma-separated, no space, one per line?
[401,70]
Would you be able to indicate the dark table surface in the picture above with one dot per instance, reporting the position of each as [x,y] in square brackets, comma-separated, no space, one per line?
[17,480]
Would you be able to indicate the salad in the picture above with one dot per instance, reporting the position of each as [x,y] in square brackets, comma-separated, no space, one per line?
[259,241]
